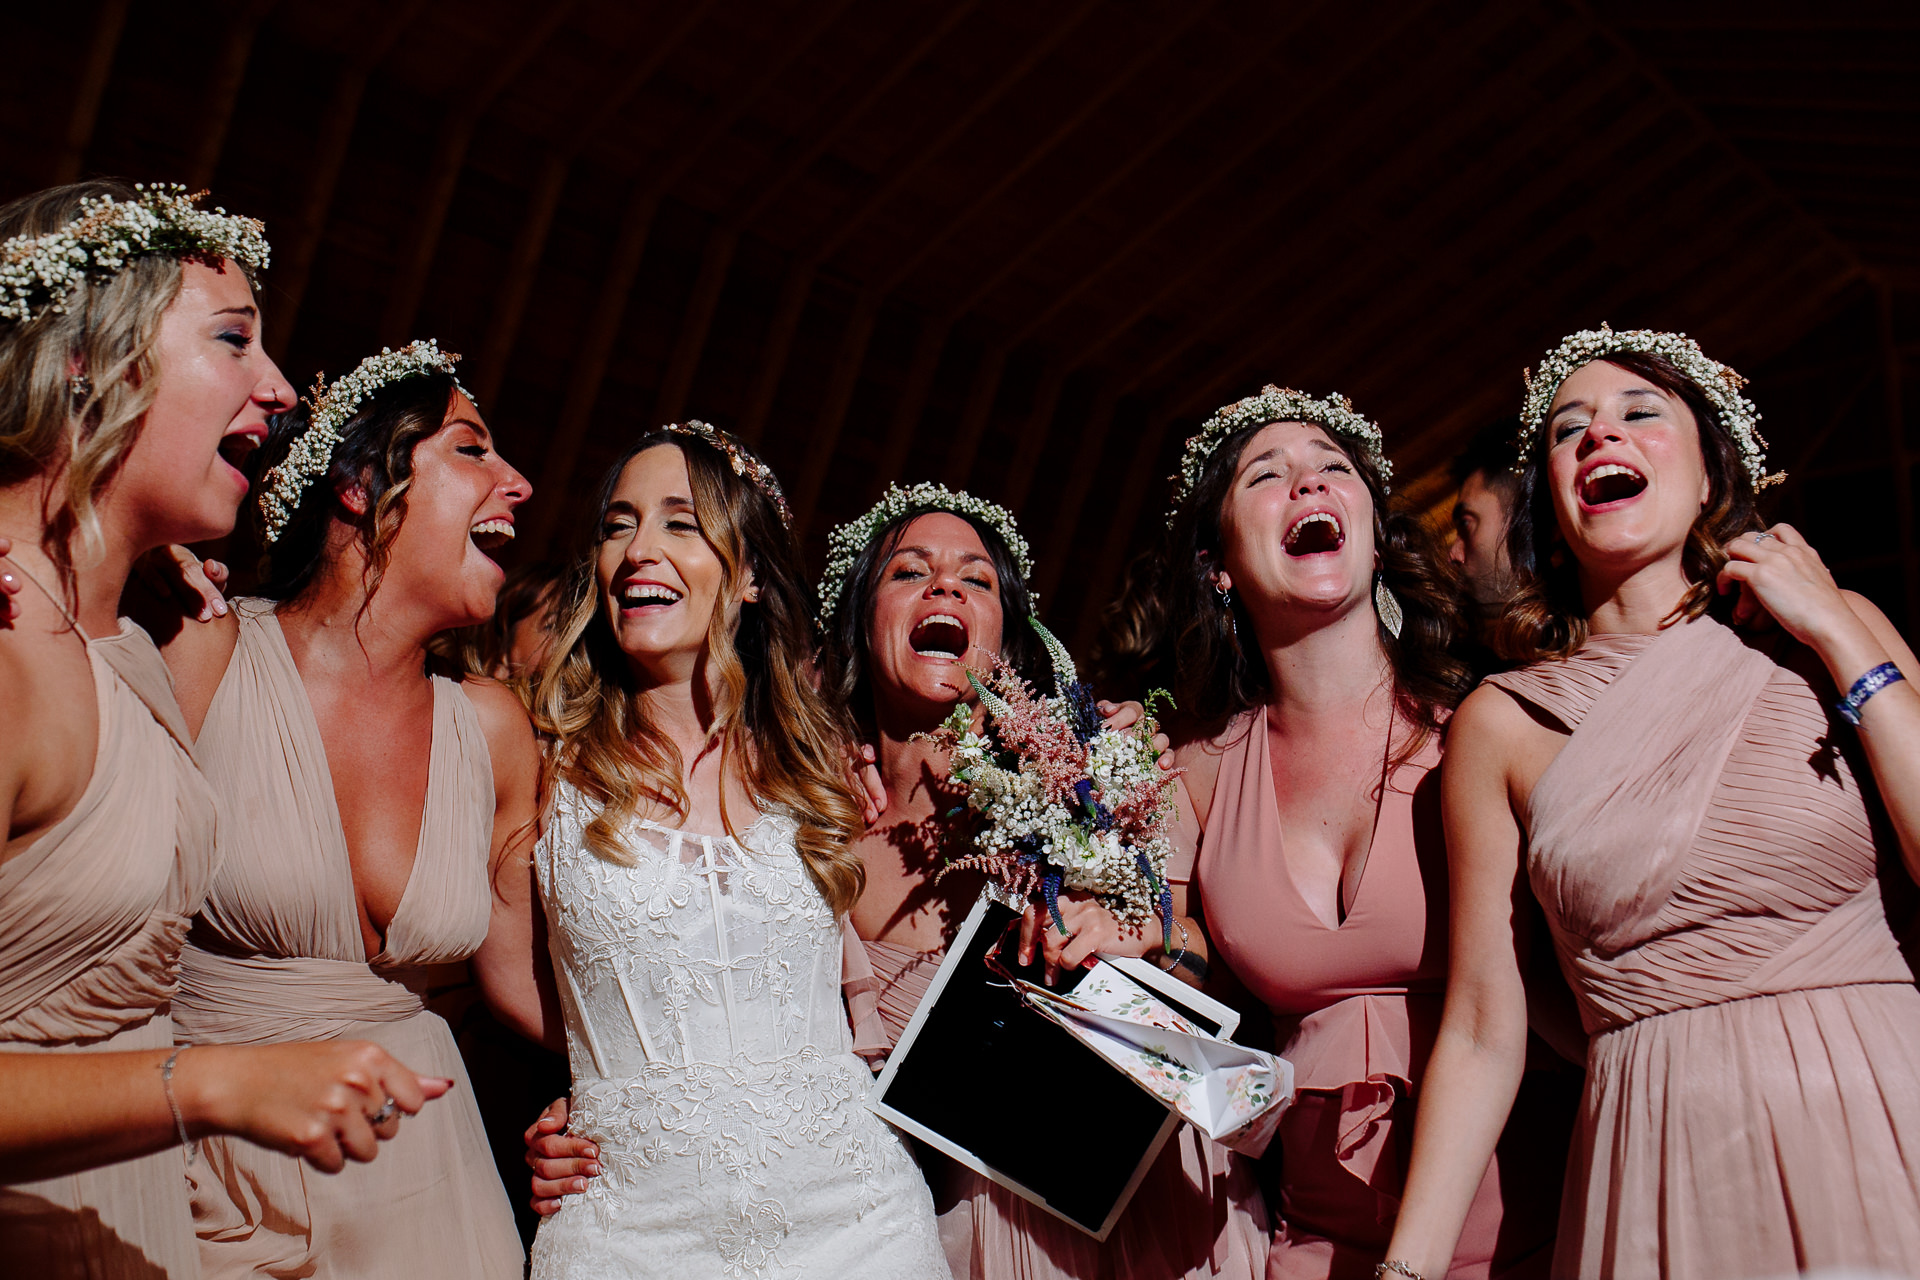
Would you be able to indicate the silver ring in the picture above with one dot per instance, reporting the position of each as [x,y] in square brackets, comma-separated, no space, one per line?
[1762,537]
[387,1111]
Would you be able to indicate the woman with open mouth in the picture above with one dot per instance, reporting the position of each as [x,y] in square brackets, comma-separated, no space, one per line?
[133,384]
[1710,820]
[696,872]
[377,815]
[1306,629]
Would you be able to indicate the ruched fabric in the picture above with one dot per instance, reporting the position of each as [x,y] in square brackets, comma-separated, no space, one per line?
[1356,1008]
[1705,850]
[277,955]
[1197,1213]
[91,921]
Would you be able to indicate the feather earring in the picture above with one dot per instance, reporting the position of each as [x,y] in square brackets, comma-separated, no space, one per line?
[1387,607]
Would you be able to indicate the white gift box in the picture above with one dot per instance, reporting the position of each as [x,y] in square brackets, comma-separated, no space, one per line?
[1065,1095]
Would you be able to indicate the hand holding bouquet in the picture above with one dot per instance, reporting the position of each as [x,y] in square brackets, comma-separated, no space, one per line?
[1065,802]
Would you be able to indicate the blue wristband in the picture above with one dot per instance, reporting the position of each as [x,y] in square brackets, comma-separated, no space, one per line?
[1865,687]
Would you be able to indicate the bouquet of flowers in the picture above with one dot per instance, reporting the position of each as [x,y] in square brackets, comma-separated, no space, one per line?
[1065,802]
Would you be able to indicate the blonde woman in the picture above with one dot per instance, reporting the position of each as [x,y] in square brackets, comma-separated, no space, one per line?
[695,869]
[132,379]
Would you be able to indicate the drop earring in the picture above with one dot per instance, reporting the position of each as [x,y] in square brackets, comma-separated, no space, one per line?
[1387,607]
[1226,604]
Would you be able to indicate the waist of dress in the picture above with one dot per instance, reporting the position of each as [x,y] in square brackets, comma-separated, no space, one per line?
[268,999]
[1736,998]
[801,1089]
[1372,1036]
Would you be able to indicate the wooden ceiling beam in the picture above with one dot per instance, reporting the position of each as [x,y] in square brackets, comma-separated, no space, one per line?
[1351,60]
[1333,219]
[1789,98]
[1057,538]
[928,346]
[842,378]
[584,378]
[1085,109]
[690,342]
[1034,434]
[454,141]
[90,86]
[982,395]
[229,73]
[293,265]
[853,341]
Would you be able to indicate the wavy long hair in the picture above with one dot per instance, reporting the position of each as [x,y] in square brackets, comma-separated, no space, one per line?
[1171,626]
[1545,615]
[106,331]
[846,657]
[776,733]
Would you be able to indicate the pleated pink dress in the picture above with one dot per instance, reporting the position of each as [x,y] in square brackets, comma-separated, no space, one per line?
[1356,1008]
[1197,1212]
[1709,853]
[92,917]
[277,955]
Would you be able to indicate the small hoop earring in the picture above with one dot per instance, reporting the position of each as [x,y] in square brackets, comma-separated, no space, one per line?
[1387,607]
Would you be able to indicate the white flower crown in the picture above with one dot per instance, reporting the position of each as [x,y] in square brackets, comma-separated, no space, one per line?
[1719,384]
[1275,404]
[847,541]
[330,409]
[37,273]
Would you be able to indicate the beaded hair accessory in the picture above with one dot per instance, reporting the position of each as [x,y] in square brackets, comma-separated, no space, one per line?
[847,541]
[1275,404]
[37,273]
[332,407]
[1719,384]
[745,464]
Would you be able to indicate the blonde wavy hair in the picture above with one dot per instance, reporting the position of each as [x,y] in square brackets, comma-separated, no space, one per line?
[776,733]
[106,334]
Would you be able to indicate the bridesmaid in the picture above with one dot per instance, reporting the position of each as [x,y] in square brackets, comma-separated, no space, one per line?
[1308,627]
[926,583]
[1710,821]
[129,386]
[378,818]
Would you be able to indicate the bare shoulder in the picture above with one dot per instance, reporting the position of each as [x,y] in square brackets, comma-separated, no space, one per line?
[503,718]
[47,703]
[198,654]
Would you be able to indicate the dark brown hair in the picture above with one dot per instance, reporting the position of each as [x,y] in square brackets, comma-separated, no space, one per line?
[1171,623]
[1545,616]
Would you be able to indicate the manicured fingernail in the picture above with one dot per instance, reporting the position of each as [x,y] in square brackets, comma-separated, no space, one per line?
[592,1152]
[579,1184]
[593,1169]
[219,608]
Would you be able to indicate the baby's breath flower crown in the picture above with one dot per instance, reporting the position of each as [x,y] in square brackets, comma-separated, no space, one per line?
[1719,384]
[744,463]
[37,273]
[331,408]
[1275,404]
[847,541]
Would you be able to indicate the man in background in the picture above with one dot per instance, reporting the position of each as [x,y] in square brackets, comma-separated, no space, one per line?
[1489,487]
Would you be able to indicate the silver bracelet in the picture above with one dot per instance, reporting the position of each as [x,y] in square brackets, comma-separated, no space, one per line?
[1181,954]
[173,1104]
[1393,1266]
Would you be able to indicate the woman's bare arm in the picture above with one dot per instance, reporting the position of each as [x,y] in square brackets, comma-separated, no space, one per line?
[1478,1057]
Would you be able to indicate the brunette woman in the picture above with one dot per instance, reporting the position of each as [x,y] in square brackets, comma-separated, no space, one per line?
[695,873]
[1308,629]
[377,818]
[132,380]
[1712,822]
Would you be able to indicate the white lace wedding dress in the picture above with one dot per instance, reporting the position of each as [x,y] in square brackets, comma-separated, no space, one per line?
[712,1066]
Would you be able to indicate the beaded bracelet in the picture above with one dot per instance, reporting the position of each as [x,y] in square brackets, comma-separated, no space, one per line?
[1393,1266]
[173,1105]
[1865,687]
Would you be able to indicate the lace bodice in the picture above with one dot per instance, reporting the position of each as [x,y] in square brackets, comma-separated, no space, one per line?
[712,1067]
[708,950]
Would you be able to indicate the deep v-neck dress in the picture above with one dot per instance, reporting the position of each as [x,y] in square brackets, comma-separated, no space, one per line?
[1356,1006]
[277,955]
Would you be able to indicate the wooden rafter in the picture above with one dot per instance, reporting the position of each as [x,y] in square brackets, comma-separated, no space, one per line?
[443,172]
[223,92]
[982,393]
[691,340]
[293,266]
[1034,434]
[89,88]
[928,345]
[842,378]
[1057,537]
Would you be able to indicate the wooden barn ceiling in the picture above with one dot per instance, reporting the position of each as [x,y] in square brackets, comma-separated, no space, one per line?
[1021,247]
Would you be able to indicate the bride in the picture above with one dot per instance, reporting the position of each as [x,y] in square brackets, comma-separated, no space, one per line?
[694,867]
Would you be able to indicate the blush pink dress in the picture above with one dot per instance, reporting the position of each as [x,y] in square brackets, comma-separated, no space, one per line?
[1197,1213]
[92,918]
[1713,864]
[1356,1009]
